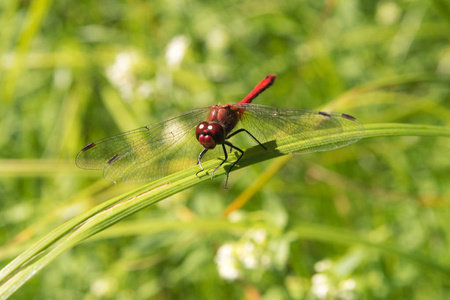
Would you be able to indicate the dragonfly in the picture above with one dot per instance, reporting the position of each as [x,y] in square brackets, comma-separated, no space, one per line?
[171,145]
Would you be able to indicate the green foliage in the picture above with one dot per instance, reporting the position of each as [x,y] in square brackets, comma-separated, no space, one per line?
[366,221]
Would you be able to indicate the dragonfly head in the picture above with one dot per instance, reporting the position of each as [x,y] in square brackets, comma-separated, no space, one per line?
[210,134]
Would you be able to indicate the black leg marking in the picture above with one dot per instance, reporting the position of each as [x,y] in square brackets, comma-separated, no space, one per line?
[244,130]
[242,154]
[200,156]
[226,157]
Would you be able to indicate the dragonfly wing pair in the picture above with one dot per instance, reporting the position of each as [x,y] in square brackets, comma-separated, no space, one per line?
[169,146]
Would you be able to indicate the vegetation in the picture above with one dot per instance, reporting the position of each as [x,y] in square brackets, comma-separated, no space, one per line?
[366,221]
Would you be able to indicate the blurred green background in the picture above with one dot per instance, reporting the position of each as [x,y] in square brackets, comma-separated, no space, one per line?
[369,221]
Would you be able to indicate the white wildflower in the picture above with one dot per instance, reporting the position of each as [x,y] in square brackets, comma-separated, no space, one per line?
[176,50]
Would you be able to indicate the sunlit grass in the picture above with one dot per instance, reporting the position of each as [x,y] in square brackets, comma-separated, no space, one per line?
[366,221]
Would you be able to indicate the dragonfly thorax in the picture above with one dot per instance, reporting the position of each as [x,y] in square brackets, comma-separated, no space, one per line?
[226,115]
[210,134]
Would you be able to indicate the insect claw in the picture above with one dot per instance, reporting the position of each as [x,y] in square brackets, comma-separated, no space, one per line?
[200,164]
[226,182]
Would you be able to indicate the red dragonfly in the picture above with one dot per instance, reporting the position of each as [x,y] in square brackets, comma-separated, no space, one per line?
[165,147]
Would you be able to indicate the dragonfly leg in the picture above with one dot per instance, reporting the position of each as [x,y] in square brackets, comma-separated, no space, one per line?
[199,161]
[244,130]
[226,157]
[229,170]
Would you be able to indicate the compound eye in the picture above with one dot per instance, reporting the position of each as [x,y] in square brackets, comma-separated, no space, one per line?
[201,128]
[217,132]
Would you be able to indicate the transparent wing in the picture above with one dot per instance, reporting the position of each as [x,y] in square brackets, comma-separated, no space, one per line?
[149,152]
[169,146]
[287,125]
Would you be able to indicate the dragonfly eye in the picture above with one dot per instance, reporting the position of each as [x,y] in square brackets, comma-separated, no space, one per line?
[201,128]
[207,141]
[217,132]
[210,134]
